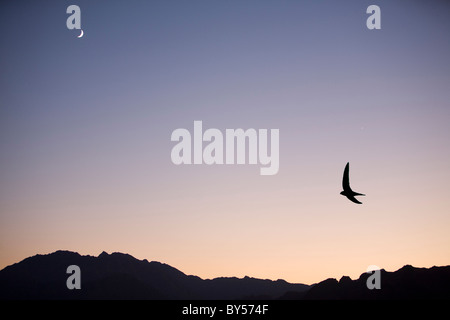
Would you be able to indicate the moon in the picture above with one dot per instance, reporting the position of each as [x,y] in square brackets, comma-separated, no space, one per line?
[81,34]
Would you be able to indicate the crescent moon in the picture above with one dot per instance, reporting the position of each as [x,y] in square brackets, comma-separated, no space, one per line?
[81,34]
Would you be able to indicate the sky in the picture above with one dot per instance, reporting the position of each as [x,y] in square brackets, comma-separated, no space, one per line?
[86,124]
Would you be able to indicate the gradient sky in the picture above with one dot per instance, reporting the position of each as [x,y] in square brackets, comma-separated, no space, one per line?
[85,128]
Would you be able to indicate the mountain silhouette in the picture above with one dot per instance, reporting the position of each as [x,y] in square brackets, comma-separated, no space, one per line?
[121,276]
[406,283]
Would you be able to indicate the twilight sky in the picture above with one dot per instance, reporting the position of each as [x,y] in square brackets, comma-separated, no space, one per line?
[85,127]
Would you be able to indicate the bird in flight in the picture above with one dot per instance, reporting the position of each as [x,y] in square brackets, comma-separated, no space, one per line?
[348,192]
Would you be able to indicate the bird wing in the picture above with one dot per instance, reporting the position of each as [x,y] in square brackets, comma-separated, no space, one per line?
[345,180]
[353,199]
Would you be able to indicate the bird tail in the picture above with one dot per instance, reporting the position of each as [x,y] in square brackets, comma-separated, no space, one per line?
[358,194]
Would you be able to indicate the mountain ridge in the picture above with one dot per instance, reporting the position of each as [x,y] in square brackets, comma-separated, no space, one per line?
[120,276]
[406,283]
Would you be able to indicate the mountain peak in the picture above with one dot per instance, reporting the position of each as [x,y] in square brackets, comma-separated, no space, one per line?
[117,255]
[345,279]
[103,254]
[407,267]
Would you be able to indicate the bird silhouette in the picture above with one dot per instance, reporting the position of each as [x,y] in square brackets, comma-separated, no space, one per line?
[348,192]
